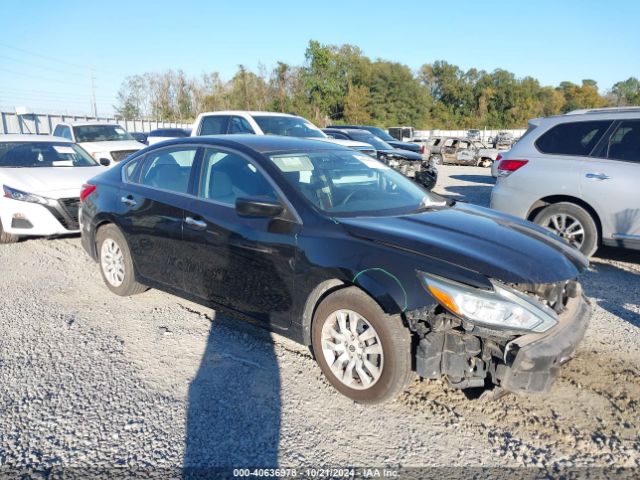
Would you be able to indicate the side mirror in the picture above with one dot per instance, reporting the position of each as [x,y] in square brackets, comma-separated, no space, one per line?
[258,207]
[105,162]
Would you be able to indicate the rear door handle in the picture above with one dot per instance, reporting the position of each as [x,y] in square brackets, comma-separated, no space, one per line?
[597,176]
[198,224]
[128,201]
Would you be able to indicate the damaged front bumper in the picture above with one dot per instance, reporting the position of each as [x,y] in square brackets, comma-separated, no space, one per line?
[472,356]
[532,361]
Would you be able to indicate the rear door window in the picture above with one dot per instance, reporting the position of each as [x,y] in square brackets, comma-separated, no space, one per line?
[214,125]
[624,143]
[573,138]
[169,169]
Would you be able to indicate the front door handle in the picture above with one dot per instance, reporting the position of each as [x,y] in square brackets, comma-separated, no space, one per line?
[129,201]
[198,224]
[597,176]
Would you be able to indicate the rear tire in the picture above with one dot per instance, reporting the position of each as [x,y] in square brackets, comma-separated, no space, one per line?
[116,265]
[7,237]
[573,223]
[376,347]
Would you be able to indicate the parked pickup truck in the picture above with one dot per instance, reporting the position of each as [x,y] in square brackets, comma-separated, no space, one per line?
[460,151]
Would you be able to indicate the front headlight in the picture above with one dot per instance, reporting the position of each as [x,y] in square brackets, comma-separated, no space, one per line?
[23,196]
[502,307]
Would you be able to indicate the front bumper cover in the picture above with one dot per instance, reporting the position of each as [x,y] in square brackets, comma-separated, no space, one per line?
[532,361]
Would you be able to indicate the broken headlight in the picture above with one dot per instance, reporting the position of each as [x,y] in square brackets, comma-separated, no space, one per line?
[502,307]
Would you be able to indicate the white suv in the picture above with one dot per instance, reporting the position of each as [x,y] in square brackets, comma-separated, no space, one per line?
[579,175]
[267,123]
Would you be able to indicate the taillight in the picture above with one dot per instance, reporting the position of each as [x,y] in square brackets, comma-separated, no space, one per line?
[507,167]
[499,157]
[421,149]
[87,189]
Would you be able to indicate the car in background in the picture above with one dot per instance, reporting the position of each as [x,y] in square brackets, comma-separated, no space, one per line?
[474,134]
[339,252]
[267,123]
[108,143]
[383,135]
[503,141]
[162,134]
[139,137]
[460,151]
[406,162]
[41,177]
[577,175]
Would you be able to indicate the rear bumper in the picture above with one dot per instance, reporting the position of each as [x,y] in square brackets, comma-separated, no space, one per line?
[533,361]
[513,201]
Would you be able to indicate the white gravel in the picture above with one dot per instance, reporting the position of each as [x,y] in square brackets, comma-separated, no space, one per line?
[91,379]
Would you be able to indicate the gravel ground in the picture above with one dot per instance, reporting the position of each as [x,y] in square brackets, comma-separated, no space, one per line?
[91,379]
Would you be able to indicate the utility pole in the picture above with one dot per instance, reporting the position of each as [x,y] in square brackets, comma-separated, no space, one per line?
[93,93]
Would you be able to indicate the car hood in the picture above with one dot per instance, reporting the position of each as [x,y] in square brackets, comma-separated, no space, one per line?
[344,143]
[114,146]
[493,244]
[402,153]
[51,182]
[414,147]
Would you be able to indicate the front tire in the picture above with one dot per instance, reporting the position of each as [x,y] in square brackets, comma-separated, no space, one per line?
[363,352]
[7,237]
[573,223]
[436,159]
[115,262]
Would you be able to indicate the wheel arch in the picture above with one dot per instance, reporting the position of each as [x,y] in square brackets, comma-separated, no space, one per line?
[539,205]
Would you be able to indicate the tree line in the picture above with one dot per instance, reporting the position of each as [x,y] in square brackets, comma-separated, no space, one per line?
[339,84]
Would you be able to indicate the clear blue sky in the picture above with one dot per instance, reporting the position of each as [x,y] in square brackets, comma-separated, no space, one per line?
[550,40]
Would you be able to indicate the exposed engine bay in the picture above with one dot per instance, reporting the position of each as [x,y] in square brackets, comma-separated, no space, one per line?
[421,172]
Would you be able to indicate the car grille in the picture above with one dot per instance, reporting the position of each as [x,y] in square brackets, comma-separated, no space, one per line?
[121,155]
[67,212]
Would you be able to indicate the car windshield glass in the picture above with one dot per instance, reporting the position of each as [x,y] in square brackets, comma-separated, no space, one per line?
[288,126]
[343,183]
[101,133]
[371,139]
[380,133]
[43,154]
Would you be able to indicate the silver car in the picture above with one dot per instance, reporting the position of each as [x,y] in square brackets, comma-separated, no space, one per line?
[579,175]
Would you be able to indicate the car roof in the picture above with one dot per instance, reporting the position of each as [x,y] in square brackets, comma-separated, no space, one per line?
[88,123]
[247,112]
[32,138]
[261,143]
[349,130]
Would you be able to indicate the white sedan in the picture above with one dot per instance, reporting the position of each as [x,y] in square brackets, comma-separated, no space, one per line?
[41,178]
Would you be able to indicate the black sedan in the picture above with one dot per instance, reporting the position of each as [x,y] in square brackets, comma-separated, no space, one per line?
[336,250]
[410,164]
[383,135]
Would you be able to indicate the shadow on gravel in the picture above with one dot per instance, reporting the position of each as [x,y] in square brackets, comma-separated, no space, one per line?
[613,287]
[484,179]
[476,194]
[233,417]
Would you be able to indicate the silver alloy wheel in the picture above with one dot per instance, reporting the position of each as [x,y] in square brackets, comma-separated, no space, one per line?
[568,227]
[112,261]
[352,349]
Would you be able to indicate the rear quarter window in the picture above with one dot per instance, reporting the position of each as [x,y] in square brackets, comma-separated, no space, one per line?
[572,138]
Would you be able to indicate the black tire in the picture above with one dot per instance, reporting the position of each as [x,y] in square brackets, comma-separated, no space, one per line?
[7,237]
[394,339]
[436,159]
[128,285]
[590,238]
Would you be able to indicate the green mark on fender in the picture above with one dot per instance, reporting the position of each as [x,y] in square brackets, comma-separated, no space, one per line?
[406,301]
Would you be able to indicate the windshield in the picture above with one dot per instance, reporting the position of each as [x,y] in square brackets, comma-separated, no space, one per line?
[288,126]
[101,133]
[371,139]
[343,183]
[43,154]
[380,133]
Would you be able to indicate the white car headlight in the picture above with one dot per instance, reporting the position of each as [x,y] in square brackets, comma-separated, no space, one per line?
[23,196]
[502,307]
